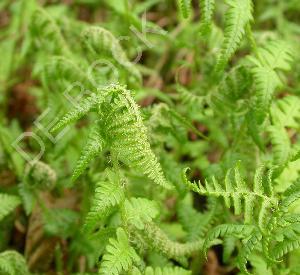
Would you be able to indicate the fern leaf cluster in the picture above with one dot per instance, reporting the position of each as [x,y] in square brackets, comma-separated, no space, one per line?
[207,8]
[237,193]
[8,204]
[276,55]
[108,194]
[184,7]
[13,263]
[119,256]
[151,89]
[124,131]
[238,15]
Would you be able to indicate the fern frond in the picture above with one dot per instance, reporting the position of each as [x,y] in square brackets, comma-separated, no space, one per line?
[93,147]
[108,194]
[166,271]
[220,231]
[125,133]
[247,249]
[259,264]
[28,197]
[13,263]
[277,54]
[159,241]
[295,155]
[40,175]
[234,86]
[238,15]
[286,112]
[291,195]
[184,7]
[281,145]
[128,138]
[228,247]
[138,211]
[196,224]
[7,204]
[119,256]
[207,8]
[60,67]
[189,98]
[266,81]
[45,28]
[236,192]
[99,41]
[291,218]
[79,111]
[285,247]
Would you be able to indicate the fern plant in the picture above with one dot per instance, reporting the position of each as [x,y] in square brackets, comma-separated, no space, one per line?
[104,104]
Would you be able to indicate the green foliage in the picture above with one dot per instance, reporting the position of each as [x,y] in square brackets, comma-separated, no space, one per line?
[129,143]
[8,204]
[235,192]
[163,271]
[150,87]
[108,194]
[12,263]
[139,211]
[276,55]
[184,7]
[207,8]
[238,15]
[119,255]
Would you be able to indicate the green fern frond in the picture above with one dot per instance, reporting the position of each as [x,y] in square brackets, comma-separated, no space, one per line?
[108,194]
[207,8]
[93,147]
[13,263]
[60,67]
[128,137]
[7,204]
[184,7]
[235,192]
[266,81]
[234,86]
[79,111]
[291,218]
[238,15]
[195,223]
[286,112]
[285,247]
[189,98]
[281,145]
[277,54]
[125,133]
[28,197]
[100,42]
[166,271]
[291,195]
[138,211]
[119,256]
[40,175]
[295,154]
[229,243]
[259,264]
[85,106]
[220,231]
[159,241]
[247,249]
[45,28]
